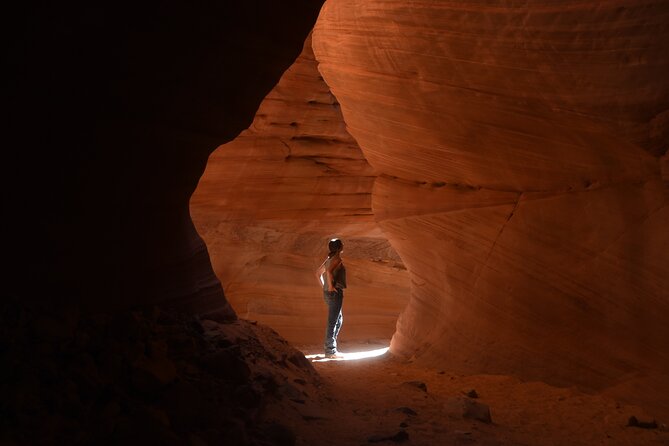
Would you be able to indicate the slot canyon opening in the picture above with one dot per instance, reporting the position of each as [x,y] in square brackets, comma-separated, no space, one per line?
[521,175]
[269,201]
[500,201]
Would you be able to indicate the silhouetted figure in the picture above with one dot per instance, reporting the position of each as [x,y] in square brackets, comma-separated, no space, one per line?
[332,275]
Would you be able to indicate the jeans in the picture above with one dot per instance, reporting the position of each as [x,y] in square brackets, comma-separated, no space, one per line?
[334,300]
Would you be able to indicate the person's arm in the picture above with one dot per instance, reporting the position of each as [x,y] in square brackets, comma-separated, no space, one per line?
[319,273]
[329,273]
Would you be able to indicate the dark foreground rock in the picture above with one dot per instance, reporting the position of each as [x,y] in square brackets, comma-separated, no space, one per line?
[149,377]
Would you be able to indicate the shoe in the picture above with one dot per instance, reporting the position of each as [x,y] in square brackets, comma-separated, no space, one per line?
[335,355]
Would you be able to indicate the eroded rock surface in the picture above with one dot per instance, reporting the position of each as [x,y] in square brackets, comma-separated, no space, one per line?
[518,149]
[147,377]
[269,201]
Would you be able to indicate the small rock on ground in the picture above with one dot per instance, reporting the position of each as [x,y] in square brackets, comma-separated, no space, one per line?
[406,410]
[634,422]
[477,411]
[418,384]
[399,437]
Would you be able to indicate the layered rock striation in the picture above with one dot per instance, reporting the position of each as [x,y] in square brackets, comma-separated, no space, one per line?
[270,200]
[518,151]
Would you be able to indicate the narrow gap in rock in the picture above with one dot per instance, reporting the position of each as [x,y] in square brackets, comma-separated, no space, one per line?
[270,200]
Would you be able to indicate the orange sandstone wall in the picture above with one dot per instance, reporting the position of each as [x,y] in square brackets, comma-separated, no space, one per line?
[518,151]
[269,201]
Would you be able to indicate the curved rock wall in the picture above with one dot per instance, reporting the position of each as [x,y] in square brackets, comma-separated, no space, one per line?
[519,151]
[270,200]
[111,114]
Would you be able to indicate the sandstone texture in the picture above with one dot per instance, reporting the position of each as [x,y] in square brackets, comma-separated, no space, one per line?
[270,200]
[373,403]
[518,150]
[507,160]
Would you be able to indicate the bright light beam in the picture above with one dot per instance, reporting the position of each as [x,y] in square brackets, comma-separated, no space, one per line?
[352,356]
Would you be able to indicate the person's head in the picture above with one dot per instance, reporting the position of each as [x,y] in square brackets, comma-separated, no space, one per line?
[334,246]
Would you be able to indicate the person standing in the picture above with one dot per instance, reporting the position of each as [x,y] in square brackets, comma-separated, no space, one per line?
[332,275]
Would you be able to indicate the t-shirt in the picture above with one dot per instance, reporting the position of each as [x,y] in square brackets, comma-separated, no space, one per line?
[338,276]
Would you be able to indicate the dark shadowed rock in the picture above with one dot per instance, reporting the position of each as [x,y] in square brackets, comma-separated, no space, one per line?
[406,410]
[231,431]
[399,437]
[149,375]
[144,426]
[417,384]
[299,360]
[291,392]
[120,380]
[280,435]
[227,364]
[635,422]
[184,405]
[247,396]
[125,326]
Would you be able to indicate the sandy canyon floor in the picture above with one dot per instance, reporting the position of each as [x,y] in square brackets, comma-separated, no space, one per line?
[170,379]
[384,400]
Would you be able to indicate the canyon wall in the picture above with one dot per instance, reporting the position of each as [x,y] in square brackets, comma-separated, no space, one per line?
[270,200]
[518,150]
[112,112]
[520,155]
